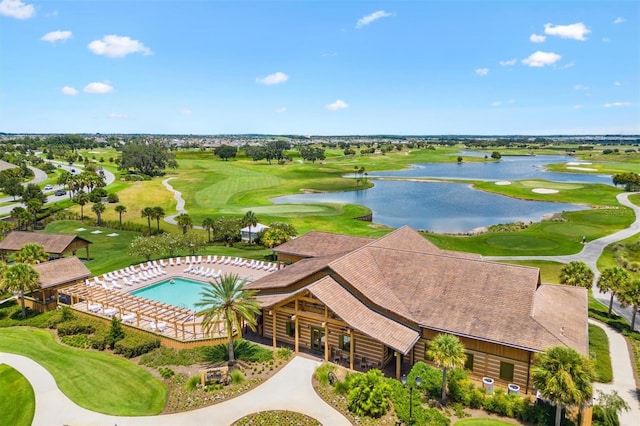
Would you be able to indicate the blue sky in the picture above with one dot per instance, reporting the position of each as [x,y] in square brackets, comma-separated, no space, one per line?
[320,67]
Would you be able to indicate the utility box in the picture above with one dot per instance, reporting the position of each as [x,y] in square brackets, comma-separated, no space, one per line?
[487,384]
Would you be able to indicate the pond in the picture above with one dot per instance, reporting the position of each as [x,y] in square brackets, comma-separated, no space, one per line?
[454,207]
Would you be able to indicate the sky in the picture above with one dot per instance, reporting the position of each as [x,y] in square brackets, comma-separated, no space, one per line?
[320,67]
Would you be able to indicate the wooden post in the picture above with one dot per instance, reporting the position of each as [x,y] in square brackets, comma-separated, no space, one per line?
[326,341]
[352,345]
[295,325]
[273,331]
[398,365]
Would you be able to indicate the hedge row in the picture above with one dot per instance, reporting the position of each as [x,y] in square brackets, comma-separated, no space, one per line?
[135,344]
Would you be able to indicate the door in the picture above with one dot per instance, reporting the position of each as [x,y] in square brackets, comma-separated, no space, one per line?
[317,339]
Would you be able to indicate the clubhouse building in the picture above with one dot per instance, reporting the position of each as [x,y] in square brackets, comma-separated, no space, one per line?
[368,303]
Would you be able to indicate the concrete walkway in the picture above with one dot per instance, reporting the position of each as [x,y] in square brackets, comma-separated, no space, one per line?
[289,389]
[623,379]
[179,204]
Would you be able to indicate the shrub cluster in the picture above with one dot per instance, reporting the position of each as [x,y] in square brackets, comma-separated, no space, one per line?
[77,326]
[135,344]
[242,349]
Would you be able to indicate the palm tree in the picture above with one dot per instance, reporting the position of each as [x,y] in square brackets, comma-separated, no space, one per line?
[448,353]
[249,220]
[20,278]
[184,221]
[564,377]
[82,198]
[33,207]
[629,295]
[613,279]
[148,213]
[226,299]
[98,208]
[121,209]
[158,213]
[576,273]
[31,253]
[209,224]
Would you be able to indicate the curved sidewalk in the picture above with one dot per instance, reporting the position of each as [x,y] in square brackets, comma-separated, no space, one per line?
[289,389]
[623,379]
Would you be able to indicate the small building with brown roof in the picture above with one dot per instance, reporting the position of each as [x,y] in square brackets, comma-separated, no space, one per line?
[54,244]
[378,302]
[53,276]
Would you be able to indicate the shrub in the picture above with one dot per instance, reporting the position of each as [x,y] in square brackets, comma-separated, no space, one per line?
[79,326]
[193,382]
[284,353]
[237,377]
[113,198]
[368,394]
[322,373]
[168,356]
[341,387]
[116,332]
[76,340]
[243,350]
[421,416]
[166,372]
[98,340]
[135,344]
[431,379]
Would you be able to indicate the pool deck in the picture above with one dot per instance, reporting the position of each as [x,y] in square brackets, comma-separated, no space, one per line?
[105,296]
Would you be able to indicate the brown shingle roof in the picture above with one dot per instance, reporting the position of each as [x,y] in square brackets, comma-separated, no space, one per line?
[52,243]
[60,271]
[316,243]
[285,277]
[360,317]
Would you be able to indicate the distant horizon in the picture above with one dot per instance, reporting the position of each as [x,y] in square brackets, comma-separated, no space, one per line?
[457,67]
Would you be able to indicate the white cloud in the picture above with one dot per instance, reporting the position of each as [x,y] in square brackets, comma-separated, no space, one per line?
[16,9]
[118,116]
[617,83]
[606,40]
[577,107]
[574,31]
[537,38]
[69,91]
[54,36]
[114,46]
[619,20]
[275,78]
[98,88]
[508,62]
[580,87]
[329,54]
[52,14]
[569,65]
[540,59]
[338,104]
[280,110]
[186,111]
[617,104]
[366,20]
[496,103]
[482,71]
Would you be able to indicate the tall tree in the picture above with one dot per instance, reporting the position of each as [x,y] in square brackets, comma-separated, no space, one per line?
[148,213]
[22,217]
[33,191]
[120,209]
[158,213]
[184,221]
[226,299]
[612,279]
[225,151]
[564,377]
[81,199]
[629,295]
[147,158]
[31,253]
[20,278]
[576,273]
[448,353]
[98,208]
[208,224]
[34,206]
[251,221]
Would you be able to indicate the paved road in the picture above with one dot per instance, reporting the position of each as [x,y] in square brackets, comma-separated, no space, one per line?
[591,252]
[623,379]
[289,389]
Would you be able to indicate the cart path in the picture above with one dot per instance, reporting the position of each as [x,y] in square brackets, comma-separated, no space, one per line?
[289,389]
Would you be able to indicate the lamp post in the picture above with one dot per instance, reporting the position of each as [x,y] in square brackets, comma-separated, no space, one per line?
[418,382]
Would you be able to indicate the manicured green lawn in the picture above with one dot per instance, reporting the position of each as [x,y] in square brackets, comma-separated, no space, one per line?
[599,353]
[94,380]
[17,400]
[549,271]
[482,422]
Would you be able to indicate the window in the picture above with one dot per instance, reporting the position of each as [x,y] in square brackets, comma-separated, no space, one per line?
[345,342]
[291,328]
[506,371]
[468,364]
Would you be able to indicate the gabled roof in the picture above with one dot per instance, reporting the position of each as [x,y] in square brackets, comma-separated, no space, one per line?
[254,229]
[52,243]
[316,243]
[61,271]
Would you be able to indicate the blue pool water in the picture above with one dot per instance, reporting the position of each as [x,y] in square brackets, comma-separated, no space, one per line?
[183,292]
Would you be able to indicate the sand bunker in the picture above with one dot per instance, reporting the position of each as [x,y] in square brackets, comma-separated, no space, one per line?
[584,169]
[575,163]
[503,182]
[544,191]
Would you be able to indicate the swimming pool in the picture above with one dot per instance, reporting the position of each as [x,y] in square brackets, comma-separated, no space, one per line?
[182,292]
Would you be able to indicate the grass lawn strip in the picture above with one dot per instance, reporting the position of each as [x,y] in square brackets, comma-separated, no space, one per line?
[483,422]
[599,353]
[277,418]
[94,380]
[17,400]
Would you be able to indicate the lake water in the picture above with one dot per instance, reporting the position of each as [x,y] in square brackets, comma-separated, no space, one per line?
[454,207]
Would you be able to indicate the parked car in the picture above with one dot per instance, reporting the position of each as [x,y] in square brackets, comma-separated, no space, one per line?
[48,187]
[60,192]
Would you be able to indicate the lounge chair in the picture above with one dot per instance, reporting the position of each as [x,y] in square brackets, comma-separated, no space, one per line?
[214,259]
[95,307]
[128,318]
[162,326]
[187,269]
[171,262]
[208,259]
[110,312]
[199,259]
[363,362]
[116,285]
[178,261]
